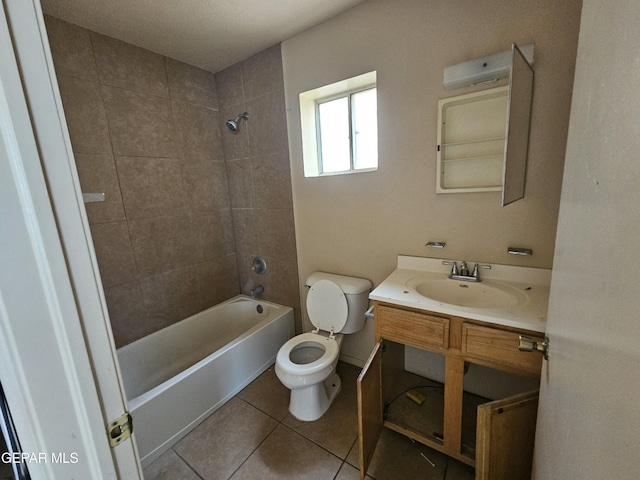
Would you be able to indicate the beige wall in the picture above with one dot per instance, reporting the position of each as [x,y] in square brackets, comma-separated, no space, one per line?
[357,224]
[146,130]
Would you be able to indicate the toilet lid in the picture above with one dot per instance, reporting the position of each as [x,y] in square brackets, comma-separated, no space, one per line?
[327,306]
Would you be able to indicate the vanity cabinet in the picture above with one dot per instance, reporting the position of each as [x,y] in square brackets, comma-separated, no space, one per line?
[495,437]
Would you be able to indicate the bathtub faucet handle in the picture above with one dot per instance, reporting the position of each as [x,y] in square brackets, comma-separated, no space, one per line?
[256,291]
[259,266]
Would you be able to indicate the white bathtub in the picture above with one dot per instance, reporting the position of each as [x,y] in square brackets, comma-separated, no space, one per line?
[176,377]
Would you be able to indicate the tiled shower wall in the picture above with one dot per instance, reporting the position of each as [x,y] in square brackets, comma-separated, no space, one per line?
[257,160]
[146,130]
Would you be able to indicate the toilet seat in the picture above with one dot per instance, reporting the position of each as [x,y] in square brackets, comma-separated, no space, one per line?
[329,345]
[327,306]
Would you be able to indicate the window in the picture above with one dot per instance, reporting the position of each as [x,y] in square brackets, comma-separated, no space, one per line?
[340,127]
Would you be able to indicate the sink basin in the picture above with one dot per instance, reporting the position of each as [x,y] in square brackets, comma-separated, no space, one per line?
[486,294]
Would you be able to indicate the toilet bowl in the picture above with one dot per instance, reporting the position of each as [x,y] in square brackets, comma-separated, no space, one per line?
[306,363]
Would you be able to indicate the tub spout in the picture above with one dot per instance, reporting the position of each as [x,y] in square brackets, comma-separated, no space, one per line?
[256,291]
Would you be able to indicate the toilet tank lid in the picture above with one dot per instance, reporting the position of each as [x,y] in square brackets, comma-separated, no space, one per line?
[349,285]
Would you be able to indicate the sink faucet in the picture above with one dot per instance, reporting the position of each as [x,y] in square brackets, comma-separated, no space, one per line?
[464,270]
[256,291]
[463,273]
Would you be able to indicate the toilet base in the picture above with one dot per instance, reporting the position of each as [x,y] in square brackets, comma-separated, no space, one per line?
[310,403]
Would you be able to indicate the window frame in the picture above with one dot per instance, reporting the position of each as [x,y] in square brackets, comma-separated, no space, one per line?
[351,119]
[309,121]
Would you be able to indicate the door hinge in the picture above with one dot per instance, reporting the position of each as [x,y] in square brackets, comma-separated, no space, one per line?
[120,429]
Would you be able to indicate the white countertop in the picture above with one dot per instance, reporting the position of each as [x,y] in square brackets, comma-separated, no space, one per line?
[532,282]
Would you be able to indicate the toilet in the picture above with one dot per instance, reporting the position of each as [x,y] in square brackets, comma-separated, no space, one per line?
[306,364]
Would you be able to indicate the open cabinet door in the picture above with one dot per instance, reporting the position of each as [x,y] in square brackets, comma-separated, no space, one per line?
[505,438]
[370,409]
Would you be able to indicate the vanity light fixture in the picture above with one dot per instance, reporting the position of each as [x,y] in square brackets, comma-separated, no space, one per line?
[485,69]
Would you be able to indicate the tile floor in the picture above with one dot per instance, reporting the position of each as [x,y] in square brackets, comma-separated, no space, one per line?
[253,436]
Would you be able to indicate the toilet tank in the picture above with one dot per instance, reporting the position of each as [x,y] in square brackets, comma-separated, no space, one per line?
[356,290]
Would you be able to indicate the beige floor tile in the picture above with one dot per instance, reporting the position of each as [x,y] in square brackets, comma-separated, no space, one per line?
[169,467]
[268,394]
[287,455]
[337,429]
[218,446]
[459,471]
[348,374]
[349,472]
[396,456]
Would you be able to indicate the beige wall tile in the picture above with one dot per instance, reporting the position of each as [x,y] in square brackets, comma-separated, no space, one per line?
[71,49]
[162,243]
[240,178]
[268,124]
[272,181]
[218,280]
[128,316]
[276,233]
[85,114]
[258,174]
[191,84]
[280,282]
[124,65]
[171,296]
[150,186]
[229,86]
[140,124]
[205,185]
[211,234]
[114,253]
[262,73]
[98,174]
[167,222]
[245,228]
[199,131]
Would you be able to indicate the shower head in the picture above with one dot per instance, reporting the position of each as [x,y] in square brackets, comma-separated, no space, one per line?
[233,124]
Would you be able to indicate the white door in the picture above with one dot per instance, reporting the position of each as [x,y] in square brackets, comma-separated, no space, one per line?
[58,366]
[589,418]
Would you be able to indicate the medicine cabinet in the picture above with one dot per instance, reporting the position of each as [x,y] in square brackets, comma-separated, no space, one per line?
[483,137]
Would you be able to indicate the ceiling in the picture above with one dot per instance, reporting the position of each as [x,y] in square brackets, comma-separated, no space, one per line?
[210,34]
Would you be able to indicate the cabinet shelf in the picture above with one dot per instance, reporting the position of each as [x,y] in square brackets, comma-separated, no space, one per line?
[471,142]
[464,159]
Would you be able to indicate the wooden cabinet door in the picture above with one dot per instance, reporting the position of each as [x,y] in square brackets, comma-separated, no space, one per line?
[370,406]
[505,438]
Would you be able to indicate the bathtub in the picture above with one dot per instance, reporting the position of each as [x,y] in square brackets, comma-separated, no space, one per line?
[176,377]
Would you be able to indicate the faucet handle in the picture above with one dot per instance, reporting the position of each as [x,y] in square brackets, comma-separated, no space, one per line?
[454,267]
[475,273]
